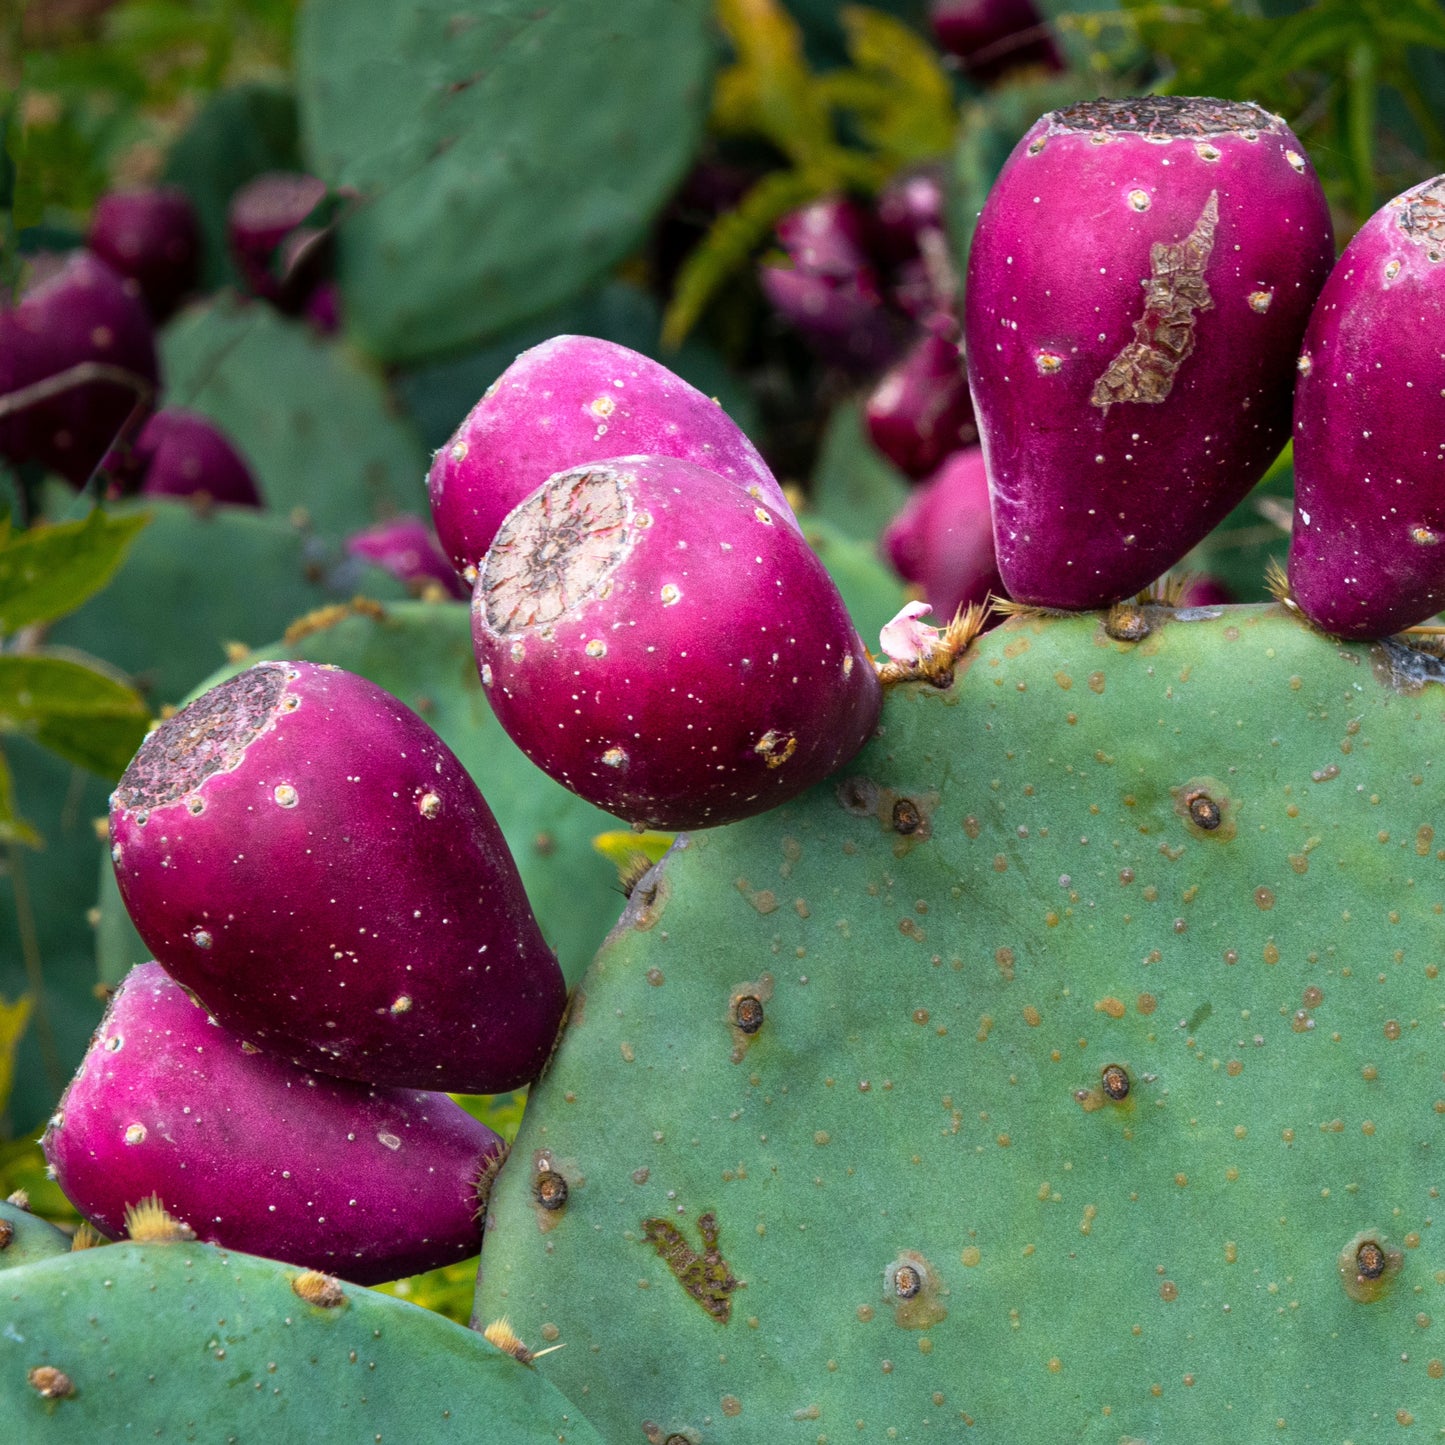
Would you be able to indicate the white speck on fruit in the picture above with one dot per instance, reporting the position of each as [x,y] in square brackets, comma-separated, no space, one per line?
[615,757]
[1259,301]
[1139,200]
[458,452]
[201,938]
[1296,160]
[390,1140]
[135,1133]
[603,405]
[429,805]
[286,795]
[596,648]
[670,594]
[402,1004]
[486,674]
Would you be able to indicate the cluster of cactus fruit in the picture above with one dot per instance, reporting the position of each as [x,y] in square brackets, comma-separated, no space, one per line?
[1023,1030]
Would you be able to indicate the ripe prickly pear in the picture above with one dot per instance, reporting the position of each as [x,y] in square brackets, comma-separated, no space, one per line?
[1120,427]
[183,454]
[276,254]
[569,401]
[992,37]
[1367,547]
[920,412]
[153,237]
[305,854]
[942,540]
[80,334]
[654,639]
[257,1154]
[406,548]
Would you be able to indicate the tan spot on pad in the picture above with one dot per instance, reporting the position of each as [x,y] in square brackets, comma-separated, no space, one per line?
[707,1277]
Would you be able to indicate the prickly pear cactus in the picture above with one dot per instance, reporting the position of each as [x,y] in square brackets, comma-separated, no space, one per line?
[25,1237]
[191,1341]
[1067,1068]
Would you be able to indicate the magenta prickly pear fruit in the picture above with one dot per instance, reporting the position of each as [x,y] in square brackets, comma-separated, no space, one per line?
[1138,286]
[257,1154]
[153,237]
[308,857]
[77,358]
[569,401]
[920,412]
[271,248]
[1206,591]
[1367,546]
[908,210]
[830,292]
[657,641]
[406,548]
[992,37]
[942,540]
[183,454]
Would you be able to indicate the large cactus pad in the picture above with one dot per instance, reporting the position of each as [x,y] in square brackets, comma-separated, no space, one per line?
[1070,1068]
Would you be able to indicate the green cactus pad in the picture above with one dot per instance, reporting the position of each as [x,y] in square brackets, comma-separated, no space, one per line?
[25,1237]
[507,110]
[843,1151]
[188,1341]
[314,425]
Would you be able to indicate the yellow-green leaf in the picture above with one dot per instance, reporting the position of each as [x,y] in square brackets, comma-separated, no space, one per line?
[87,715]
[13,828]
[13,1018]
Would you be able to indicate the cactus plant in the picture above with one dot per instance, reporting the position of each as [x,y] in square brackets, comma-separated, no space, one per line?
[178,1336]
[25,1238]
[1369,518]
[839,1109]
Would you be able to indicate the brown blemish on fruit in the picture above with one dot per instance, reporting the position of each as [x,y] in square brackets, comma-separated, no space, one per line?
[746,1012]
[322,1290]
[1144,370]
[556,549]
[1368,1265]
[775,748]
[1209,811]
[911,1287]
[209,736]
[707,1277]
[50,1383]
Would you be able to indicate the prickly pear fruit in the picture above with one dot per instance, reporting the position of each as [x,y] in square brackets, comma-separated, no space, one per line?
[658,642]
[569,401]
[942,540]
[1367,546]
[80,334]
[307,856]
[268,242]
[153,237]
[992,37]
[1138,285]
[920,412]
[183,454]
[256,1153]
[406,548]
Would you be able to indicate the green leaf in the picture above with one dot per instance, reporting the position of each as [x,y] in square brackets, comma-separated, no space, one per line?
[50,570]
[90,718]
[13,1019]
[507,154]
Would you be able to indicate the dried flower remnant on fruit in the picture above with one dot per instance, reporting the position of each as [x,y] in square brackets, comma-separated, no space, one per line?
[50,1383]
[1166,117]
[555,549]
[1422,219]
[322,1290]
[209,736]
[707,1277]
[1368,1265]
[1144,370]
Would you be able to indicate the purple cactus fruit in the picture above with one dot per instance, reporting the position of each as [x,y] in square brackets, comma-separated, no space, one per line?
[406,548]
[920,412]
[183,454]
[257,1154]
[830,292]
[1367,546]
[323,308]
[909,209]
[942,540]
[1206,591]
[572,400]
[153,237]
[308,857]
[992,37]
[77,358]
[271,247]
[1139,282]
[658,642]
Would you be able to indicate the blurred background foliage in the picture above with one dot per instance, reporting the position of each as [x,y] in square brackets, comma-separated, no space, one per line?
[763,107]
